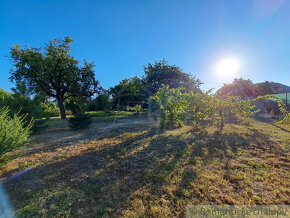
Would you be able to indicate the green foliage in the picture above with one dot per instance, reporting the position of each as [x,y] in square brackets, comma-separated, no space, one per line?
[75,106]
[53,72]
[161,73]
[102,102]
[31,109]
[169,105]
[281,105]
[50,109]
[39,125]
[109,113]
[137,108]
[13,131]
[286,119]
[246,88]
[128,92]
[264,88]
[4,95]
[173,106]
[80,121]
[199,106]
[22,89]
[239,87]
[229,108]
[21,104]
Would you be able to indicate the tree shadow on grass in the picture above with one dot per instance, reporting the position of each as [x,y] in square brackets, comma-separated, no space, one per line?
[95,183]
[70,137]
[102,182]
[269,121]
[221,147]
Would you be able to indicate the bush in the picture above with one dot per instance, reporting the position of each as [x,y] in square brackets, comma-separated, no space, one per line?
[74,106]
[136,109]
[173,106]
[109,113]
[13,131]
[22,105]
[80,121]
[39,125]
[50,109]
[102,102]
[168,105]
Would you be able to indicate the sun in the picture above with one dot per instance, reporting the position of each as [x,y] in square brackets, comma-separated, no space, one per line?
[227,67]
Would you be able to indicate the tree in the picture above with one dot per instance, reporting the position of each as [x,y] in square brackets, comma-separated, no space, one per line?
[22,90]
[19,102]
[53,72]
[161,73]
[101,102]
[4,96]
[239,87]
[169,105]
[128,91]
[14,132]
[264,88]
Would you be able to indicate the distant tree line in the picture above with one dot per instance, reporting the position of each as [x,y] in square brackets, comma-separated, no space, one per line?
[52,74]
[246,88]
[49,81]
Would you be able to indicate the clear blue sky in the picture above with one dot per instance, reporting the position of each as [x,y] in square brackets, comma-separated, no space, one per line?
[121,36]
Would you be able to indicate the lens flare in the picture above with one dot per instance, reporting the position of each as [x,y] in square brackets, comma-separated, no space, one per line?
[5,208]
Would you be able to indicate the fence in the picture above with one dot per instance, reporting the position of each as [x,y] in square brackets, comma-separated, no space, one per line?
[285,97]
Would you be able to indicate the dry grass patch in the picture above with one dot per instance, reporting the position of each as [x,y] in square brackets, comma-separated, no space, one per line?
[140,170]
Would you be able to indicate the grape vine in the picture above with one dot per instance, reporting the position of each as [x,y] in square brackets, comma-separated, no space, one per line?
[174,106]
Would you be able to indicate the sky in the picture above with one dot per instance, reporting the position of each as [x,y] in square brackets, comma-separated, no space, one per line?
[120,37]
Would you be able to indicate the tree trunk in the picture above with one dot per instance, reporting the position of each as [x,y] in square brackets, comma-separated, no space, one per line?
[60,103]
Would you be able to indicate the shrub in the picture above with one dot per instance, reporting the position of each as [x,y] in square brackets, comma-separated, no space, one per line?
[173,106]
[13,131]
[50,109]
[39,125]
[69,112]
[80,121]
[136,109]
[74,106]
[102,102]
[22,105]
[168,105]
[109,113]
[128,108]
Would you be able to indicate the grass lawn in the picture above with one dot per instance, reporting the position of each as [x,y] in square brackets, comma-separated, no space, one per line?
[130,167]
[96,115]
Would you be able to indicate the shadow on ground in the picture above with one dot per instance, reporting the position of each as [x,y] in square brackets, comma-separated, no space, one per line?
[102,182]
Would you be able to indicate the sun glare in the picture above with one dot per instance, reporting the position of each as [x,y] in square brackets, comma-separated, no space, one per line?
[227,67]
